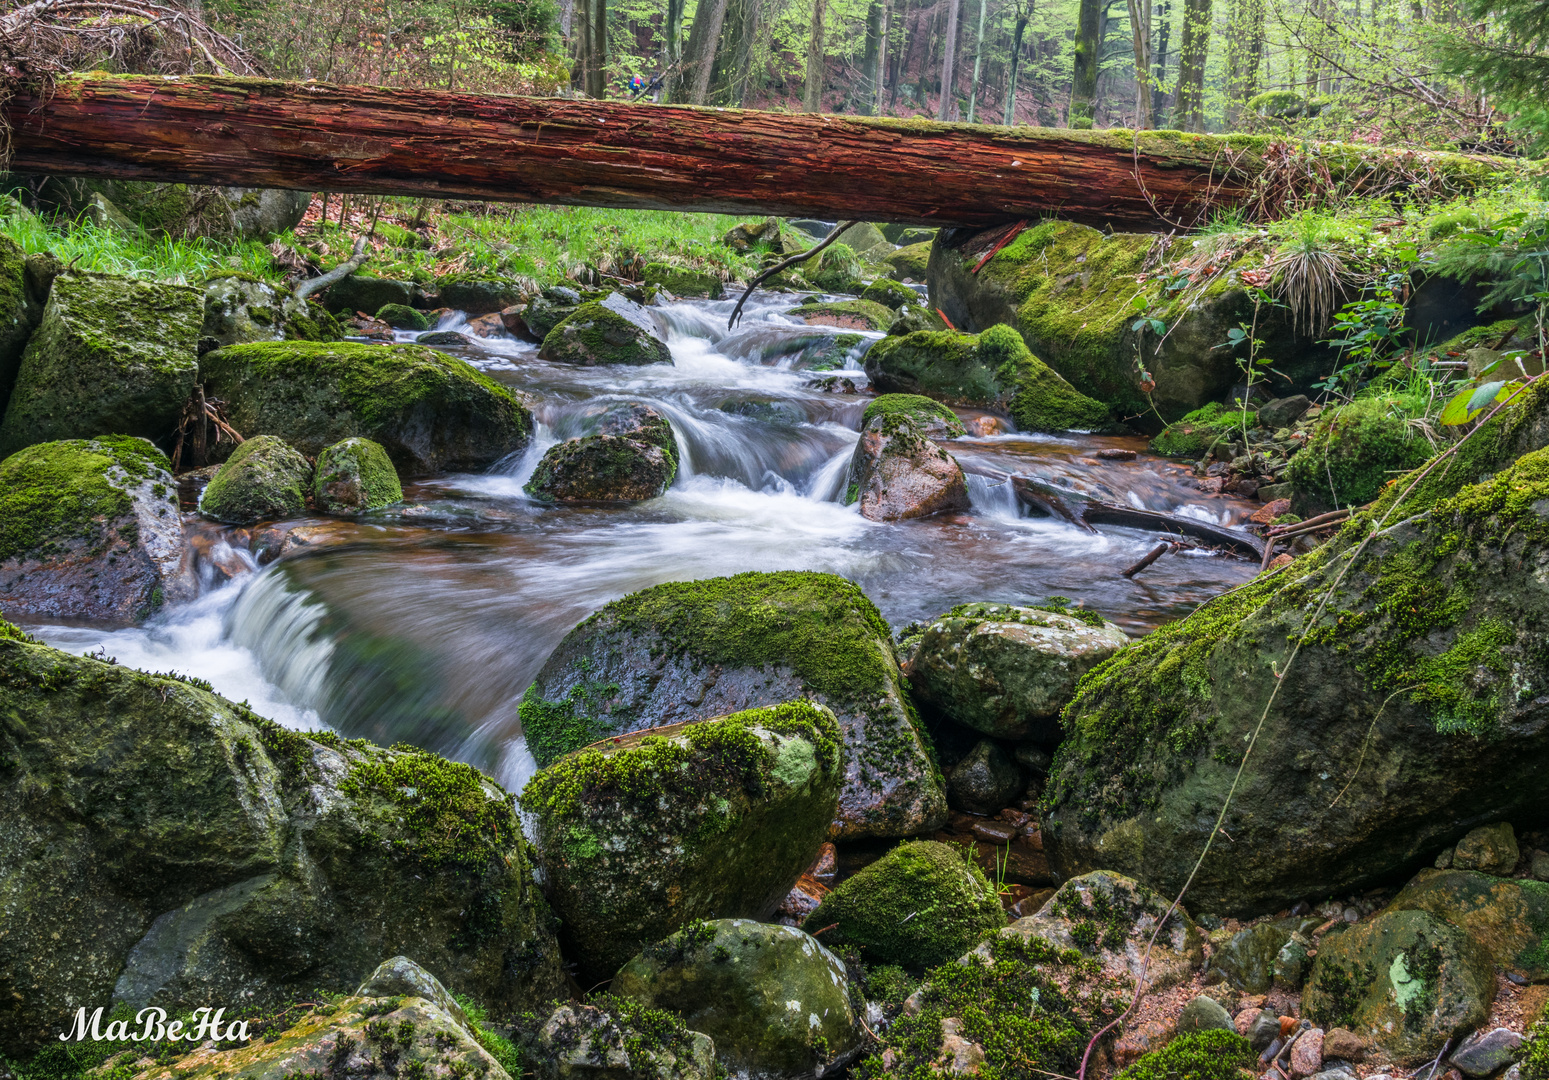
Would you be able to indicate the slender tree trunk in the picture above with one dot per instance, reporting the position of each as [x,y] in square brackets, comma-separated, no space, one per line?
[1158,98]
[878,77]
[742,65]
[1189,113]
[973,88]
[1016,62]
[583,47]
[706,35]
[948,59]
[596,73]
[813,101]
[1244,52]
[1140,41]
[674,51]
[1083,81]
[566,14]
[863,91]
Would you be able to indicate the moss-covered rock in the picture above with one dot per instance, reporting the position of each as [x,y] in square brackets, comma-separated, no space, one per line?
[89,529]
[613,1038]
[1198,432]
[891,294]
[225,858]
[22,297]
[1199,1055]
[631,457]
[690,650]
[644,833]
[546,311]
[992,370]
[776,1002]
[919,905]
[1358,448]
[897,472]
[1427,651]
[240,308]
[1247,959]
[1406,980]
[914,318]
[910,262]
[682,281]
[403,317]
[613,330]
[429,411]
[481,296]
[935,420]
[1508,918]
[362,292]
[846,314]
[837,270]
[263,479]
[1007,670]
[355,475]
[111,354]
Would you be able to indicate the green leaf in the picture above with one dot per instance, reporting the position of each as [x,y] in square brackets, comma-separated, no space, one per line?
[1456,411]
[1158,327]
[1235,335]
[1138,325]
[1484,395]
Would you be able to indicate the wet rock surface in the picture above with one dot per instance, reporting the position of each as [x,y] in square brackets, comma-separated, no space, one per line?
[632,456]
[897,472]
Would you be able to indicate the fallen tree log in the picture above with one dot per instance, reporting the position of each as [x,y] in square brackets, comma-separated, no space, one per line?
[1087,512]
[375,140]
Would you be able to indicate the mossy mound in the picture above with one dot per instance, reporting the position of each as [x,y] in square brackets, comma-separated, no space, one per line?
[89,529]
[910,262]
[240,308]
[633,456]
[403,317]
[355,475]
[1199,431]
[111,354]
[263,479]
[681,281]
[229,859]
[1508,918]
[837,270]
[694,649]
[1425,652]
[642,834]
[613,330]
[1197,1055]
[431,412]
[846,314]
[991,370]
[915,318]
[927,412]
[20,310]
[919,905]
[891,294]
[613,1038]
[898,472]
[1358,449]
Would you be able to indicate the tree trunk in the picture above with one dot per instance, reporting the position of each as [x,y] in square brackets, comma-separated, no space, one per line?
[741,73]
[566,14]
[1016,62]
[596,73]
[973,88]
[881,69]
[1083,81]
[706,34]
[438,144]
[948,58]
[813,101]
[1140,41]
[1244,50]
[1189,112]
[1158,98]
[863,92]
[583,46]
[673,54]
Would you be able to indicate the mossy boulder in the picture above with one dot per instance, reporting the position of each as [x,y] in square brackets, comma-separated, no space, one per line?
[1213,1054]
[689,650]
[631,457]
[1007,670]
[838,269]
[1200,431]
[1427,651]
[362,292]
[1247,959]
[891,294]
[481,296]
[642,834]
[263,479]
[546,311]
[89,529]
[240,308]
[403,317]
[1358,448]
[913,319]
[1508,918]
[845,314]
[611,1038]
[919,905]
[865,239]
[23,294]
[111,354]
[1070,291]
[355,475]
[909,263]
[682,281]
[225,858]
[897,472]
[613,330]
[776,1002]
[992,370]
[1407,980]
[431,412]
[934,419]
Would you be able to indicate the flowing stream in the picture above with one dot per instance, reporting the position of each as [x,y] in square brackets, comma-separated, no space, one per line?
[425,622]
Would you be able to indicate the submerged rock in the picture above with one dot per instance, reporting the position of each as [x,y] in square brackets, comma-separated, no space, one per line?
[111,355]
[775,1001]
[263,479]
[355,475]
[919,905]
[1424,654]
[431,412]
[621,1040]
[1007,670]
[631,457]
[643,834]
[609,331]
[1407,980]
[90,529]
[239,308]
[690,650]
[228,859]
[897,472]
[992,370]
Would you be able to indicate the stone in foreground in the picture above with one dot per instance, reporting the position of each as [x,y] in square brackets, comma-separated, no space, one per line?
[690,650]
[90,529]
[262,480]
[621,1040]
[355,475]
[897,472]
[643,834]
[775,1001]
[1506,917]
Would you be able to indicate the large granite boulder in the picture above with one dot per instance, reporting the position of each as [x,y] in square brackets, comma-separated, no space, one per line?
[613,330]
[263,479]
[992,370]
[897,472]
[919,905]
[694,649]
[1408,716]
[776,1002]
[1008,670]
[354,475]
[631,456]
[431,412]
[1506,917]
[168,847]
[481,296]
[239,308]
[112,354]
[362,292]
[90,529]
[642,834]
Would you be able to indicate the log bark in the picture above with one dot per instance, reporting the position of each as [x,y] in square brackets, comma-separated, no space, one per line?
[439,144]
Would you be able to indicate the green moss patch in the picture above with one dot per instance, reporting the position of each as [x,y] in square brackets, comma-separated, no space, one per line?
[263,479]
[403,317]
[354,475]
[54,495]
[1201,430]
[682,281]
[1197,1055]
[922,409]
[1354,452]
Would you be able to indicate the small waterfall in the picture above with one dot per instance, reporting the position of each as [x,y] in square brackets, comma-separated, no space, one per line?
[994,498]
[280,626]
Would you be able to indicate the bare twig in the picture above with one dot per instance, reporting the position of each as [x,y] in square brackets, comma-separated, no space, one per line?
[338,273]
[792,261]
